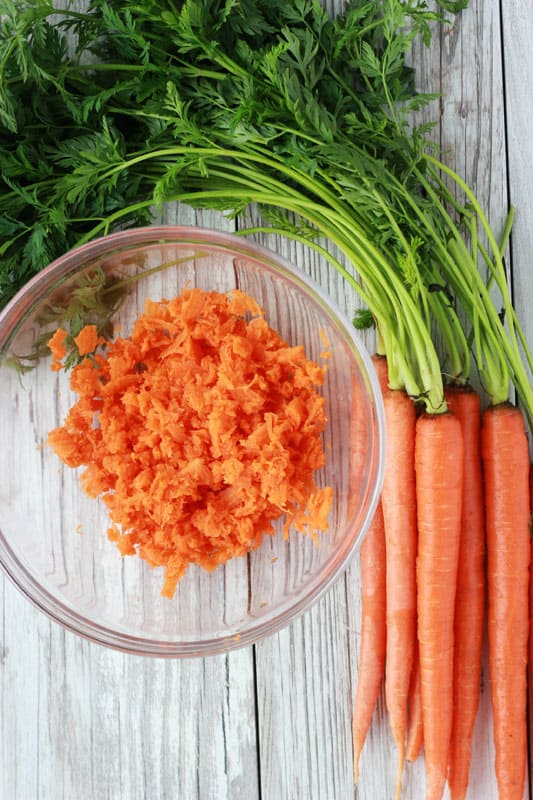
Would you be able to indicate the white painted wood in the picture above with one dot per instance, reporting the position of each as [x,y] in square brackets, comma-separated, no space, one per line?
[304,673]
[81,721]
[517,21]
[76,715]
[472,124]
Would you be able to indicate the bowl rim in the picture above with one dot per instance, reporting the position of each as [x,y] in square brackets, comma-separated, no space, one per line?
[68,617]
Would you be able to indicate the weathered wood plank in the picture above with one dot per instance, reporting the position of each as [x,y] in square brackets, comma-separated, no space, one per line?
[304,673]
[517,19]
[468,71]
[77,715]
[484,125]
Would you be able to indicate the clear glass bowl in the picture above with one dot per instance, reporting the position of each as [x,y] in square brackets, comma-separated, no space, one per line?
[53,541]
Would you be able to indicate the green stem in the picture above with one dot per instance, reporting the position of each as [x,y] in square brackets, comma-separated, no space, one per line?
[498,268]
[412,350]
[471,290]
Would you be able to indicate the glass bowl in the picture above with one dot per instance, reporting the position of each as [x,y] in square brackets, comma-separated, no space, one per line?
[53,541]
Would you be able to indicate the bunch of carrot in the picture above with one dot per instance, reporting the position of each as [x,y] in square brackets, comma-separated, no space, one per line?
[450,534]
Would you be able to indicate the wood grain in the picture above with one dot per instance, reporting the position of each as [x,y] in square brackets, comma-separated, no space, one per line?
[517,21]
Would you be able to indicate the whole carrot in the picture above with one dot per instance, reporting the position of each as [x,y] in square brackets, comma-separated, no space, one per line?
[506,473]
[470,596]
[439,480]
[373,633]
[399,514]
[373,620]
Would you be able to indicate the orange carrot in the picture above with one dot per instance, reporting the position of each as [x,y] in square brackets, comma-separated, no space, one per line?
[373,620]
[399,514]
[87,340]
[415,739]
[506,474]
[470,596]
[373,633]
[439,480]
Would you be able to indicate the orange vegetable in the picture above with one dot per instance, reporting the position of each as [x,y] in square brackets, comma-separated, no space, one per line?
[470,596]
[87,340]
[373,615]
[208,428]
[373,633]
[399,513]
[506,473]
[58,349]
[439,482]
[415,740]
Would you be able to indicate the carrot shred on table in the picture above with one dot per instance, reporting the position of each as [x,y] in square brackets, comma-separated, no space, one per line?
[198,431]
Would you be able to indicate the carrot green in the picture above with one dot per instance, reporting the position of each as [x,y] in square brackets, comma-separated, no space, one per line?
[221,104]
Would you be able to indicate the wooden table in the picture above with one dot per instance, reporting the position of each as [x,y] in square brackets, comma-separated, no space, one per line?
[273,721]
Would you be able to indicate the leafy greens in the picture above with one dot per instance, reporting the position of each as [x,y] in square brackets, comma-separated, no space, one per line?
[222,104]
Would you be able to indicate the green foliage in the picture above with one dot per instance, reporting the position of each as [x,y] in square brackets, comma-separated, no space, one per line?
[223,103]
[92,301]
[202,73]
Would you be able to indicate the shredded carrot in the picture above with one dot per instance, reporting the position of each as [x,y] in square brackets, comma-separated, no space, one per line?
[326,352]
[87,340]
[58,349]
[198,432]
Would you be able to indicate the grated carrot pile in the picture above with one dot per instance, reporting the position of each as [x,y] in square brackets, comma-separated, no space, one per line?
[198,431]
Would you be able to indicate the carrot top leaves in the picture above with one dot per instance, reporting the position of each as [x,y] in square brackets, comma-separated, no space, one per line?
[267,102]
[93,300]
